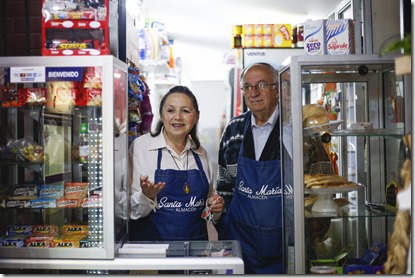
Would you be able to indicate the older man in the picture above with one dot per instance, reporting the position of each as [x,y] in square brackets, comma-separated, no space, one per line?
[249,174]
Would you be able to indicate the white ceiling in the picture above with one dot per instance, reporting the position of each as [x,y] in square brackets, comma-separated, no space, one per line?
[202,30]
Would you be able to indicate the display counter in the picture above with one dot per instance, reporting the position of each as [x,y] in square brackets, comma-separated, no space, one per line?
[193,257]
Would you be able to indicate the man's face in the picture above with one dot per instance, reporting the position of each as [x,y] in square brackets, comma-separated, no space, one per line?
[260,100]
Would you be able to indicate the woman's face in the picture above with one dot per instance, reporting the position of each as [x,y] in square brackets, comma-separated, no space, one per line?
[178,116]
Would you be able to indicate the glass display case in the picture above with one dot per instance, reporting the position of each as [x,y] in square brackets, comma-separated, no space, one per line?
[63,157]
[342,163]
[144,258]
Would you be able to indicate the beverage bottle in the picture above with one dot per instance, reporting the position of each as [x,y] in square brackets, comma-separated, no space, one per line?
[83,143]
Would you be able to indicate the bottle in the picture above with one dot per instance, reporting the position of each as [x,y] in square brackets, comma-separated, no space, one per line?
[83,143]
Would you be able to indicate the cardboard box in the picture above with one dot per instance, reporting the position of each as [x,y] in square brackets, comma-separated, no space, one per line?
[282,35]
[315,37]
[339,36]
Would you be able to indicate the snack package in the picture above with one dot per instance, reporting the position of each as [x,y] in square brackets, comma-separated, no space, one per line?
[45,230]
[32,96]
[43,203]
[39,241]
[15,241]
[61,95]
[24,192]
[51,191]
[67,241]
[67,203]
[207,214]
[76,190]
[19,230]
[9,97]
[75,230]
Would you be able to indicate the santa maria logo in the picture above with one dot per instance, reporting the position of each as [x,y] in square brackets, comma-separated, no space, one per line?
[265,192]
[193,204]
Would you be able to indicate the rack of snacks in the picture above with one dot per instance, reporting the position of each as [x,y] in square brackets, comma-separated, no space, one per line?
[62,159]
[75,27]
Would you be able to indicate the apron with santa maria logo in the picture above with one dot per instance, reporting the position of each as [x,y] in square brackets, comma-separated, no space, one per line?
[179,214]
[255,214]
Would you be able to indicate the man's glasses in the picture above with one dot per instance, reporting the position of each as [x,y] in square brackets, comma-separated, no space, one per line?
[261,86]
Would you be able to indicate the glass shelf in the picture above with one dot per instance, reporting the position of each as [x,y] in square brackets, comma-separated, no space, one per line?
[368,132]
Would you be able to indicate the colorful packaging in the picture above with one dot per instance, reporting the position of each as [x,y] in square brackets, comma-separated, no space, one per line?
[90,97]
[24,192]
[17,204]
[258,29]
[39,241]
[314,37]
[19,230]
[32,96]
[248,41]
[75,230]
[60,96]
[43,203]
[15,241]
[282,35]
[258,41]
[76,190]
[67,203]
[268,29]
[67,242]
[51,191]
[339,36]
[45,230]
[248,29]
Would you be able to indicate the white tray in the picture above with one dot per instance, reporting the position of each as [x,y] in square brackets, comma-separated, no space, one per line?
[333,189]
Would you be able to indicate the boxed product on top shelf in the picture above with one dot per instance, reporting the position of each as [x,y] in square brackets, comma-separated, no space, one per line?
[75,27]
[263,35]
[75,9]
[329,37]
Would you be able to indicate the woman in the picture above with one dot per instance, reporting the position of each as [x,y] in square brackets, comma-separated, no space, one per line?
[171,176]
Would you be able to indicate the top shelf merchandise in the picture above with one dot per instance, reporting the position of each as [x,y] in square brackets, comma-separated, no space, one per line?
[75,28]
[346,223]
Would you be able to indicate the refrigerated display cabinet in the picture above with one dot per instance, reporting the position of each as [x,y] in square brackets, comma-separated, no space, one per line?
[63,153]
[363,145]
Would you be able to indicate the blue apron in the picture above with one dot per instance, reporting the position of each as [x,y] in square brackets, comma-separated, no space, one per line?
[179,214]
[255,214]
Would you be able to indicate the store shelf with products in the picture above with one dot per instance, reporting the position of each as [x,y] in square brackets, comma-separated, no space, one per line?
[75,28]
[344,222]
[61,184]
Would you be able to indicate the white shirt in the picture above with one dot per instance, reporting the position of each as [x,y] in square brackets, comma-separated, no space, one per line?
[260,134]
[142,161]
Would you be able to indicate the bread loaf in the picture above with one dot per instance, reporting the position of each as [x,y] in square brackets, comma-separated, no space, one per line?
[316,120]
[313,115]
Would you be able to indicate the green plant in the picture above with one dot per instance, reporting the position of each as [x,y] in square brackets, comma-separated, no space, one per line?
[404,45]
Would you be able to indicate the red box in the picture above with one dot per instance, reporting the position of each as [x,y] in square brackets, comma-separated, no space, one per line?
[76,28]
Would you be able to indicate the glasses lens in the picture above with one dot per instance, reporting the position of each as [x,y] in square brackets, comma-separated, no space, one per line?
[261,86]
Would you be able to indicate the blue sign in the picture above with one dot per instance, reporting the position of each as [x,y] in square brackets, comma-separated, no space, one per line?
[64,74]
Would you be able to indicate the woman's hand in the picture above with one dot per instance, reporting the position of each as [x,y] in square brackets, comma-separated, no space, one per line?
[150,190]
[216,204]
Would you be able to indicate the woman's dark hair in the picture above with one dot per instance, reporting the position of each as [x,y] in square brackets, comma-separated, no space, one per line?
[181,90]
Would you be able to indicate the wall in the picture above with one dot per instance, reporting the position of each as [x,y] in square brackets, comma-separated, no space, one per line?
[20,27]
